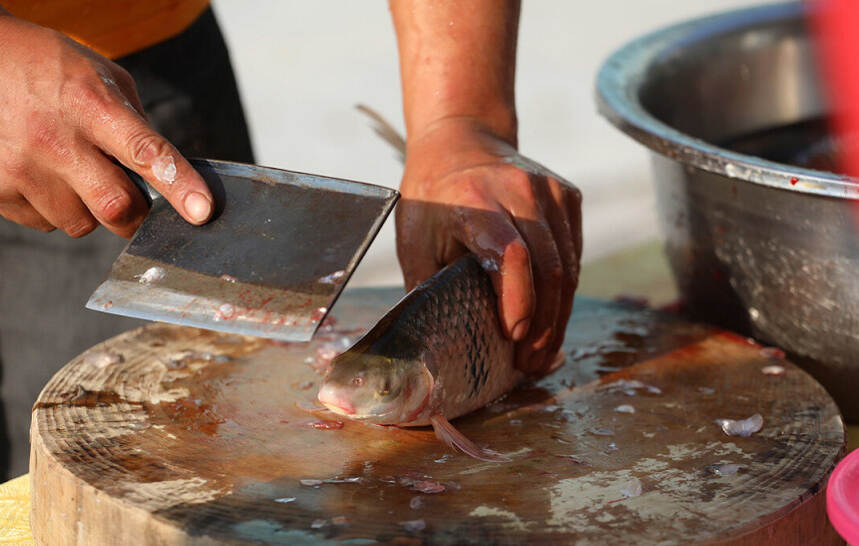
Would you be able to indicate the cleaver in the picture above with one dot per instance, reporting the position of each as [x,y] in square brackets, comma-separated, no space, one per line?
[270,263]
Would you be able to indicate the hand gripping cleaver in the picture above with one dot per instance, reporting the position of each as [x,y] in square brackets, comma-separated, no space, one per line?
[271,262]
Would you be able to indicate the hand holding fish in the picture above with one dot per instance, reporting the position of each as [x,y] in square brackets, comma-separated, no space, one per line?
[467,190]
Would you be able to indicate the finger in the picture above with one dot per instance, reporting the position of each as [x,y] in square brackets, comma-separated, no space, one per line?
[414,249]
[123,134]
[547,271]
[493,237]
[21,212]
[107,192]
[574,214]
[58,204]
[558,218]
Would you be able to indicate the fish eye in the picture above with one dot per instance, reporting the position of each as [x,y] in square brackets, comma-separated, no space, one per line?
[357,380]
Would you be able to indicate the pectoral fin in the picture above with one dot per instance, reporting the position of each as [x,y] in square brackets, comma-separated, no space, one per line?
[446,432]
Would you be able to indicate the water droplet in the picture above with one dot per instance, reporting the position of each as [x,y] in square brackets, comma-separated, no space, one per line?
[352,479]
[225,312]
[754,314]
[318,524]
[414,526]
[773,370]
[625,408]
[285,499]
[427,486]
[311,482]
[333,278]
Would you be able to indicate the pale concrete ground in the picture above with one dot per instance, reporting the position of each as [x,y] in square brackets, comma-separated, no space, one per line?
[302,66]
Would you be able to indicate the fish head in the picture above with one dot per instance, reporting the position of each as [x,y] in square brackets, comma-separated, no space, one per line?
[376,388]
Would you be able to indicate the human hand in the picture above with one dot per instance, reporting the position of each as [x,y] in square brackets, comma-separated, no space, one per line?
[66,111]
[466,190]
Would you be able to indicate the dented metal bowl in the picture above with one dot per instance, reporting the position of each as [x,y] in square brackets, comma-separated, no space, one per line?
[732,109]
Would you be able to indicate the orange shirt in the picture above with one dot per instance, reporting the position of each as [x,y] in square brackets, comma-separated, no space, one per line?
[112,27]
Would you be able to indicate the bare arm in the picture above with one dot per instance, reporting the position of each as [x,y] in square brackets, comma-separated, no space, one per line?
[465,186]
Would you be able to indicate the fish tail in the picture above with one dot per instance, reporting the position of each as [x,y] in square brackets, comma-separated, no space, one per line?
[451,437]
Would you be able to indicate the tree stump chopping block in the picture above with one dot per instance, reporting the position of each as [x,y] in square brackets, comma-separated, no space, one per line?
[172,435]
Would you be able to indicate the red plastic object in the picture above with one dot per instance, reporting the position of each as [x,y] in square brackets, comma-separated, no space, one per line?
[835,23]
[842,498]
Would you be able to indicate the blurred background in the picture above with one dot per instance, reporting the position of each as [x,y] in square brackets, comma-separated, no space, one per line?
[303,66]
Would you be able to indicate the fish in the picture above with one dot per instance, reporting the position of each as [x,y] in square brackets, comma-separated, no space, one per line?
[439,354]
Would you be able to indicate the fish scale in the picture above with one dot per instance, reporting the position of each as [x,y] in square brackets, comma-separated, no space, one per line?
[456,310]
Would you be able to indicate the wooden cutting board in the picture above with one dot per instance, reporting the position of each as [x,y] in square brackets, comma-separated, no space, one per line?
[171,435]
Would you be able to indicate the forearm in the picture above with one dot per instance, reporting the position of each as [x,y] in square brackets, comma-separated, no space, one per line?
[458,60]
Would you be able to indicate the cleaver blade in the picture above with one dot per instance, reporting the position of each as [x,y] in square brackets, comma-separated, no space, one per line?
[270,263]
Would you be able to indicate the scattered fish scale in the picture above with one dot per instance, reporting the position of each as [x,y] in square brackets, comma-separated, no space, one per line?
[414,526]
[631,488]
[103,359]
[741,427]
[727,469]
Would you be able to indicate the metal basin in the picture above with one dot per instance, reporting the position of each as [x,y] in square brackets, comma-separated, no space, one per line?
[731,107]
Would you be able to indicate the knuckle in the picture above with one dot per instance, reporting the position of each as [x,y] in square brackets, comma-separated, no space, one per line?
[574,195]
[79,226]
[524,185]
[144,146]
[554,274]
[90,93]
[17,170]
[114,207]
[42,134]
[123,77]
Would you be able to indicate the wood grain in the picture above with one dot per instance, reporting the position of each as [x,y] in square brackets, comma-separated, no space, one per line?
[196,438]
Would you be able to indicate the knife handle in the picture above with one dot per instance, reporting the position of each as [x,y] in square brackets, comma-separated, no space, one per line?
[139,182]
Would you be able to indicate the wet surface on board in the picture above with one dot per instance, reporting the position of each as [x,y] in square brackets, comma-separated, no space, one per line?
[220,435]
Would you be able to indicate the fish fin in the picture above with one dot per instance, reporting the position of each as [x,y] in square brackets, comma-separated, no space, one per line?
[448,434]
[559,361]
[385,130]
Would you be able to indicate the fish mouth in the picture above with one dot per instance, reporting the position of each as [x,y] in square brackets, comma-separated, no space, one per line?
[338,404]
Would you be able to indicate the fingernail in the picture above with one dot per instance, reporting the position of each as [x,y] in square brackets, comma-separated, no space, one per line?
[198,207]
[520,329]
